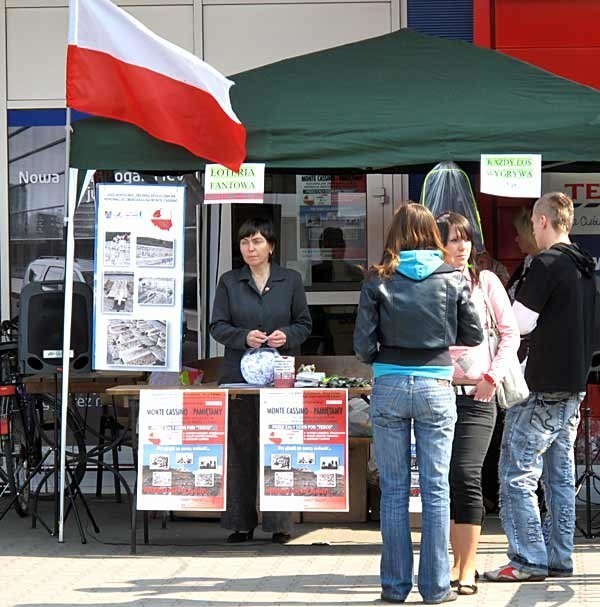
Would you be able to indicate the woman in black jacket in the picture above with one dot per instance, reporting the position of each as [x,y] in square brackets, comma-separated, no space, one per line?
[412,308]
[259,304]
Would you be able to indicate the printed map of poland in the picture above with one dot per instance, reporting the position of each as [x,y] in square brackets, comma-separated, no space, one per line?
[164,223]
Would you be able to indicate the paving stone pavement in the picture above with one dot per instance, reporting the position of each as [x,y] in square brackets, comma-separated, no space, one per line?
[188,564]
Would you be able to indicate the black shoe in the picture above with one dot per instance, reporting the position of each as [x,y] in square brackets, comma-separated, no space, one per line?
[390,599]
[241,536]
[466,589]
[454,583]
[281,538]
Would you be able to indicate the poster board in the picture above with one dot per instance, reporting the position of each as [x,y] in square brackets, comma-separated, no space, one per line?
[304,450]
[182,457]
[138,277]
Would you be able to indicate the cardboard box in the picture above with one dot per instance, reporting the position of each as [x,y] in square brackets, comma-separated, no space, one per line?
[358,513]
[374,497]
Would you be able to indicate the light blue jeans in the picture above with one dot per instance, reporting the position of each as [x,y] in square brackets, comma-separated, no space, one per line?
[396,401]
[537,443]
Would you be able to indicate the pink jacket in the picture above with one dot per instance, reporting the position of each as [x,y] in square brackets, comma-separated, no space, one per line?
[473,362]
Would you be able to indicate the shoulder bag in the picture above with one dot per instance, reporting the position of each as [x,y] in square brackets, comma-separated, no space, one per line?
[512,389]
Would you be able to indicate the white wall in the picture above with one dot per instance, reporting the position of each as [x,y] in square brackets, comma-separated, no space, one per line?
[265,33]
[232,35]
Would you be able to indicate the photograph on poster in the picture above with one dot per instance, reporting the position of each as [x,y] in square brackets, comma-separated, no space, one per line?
[118,293]
[187,475]
[329,463]
[161,479]
[184,458]
[326,479]
[305,467]
[159,461]
[207,463]
[136,342]
[117,248]
[306,458]
[156,291]
[155,252]
[415,488]
[284,479]
[281,461]
[204,479]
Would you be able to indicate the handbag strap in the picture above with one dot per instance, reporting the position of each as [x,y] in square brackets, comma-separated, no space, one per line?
[489,313]
[488,306]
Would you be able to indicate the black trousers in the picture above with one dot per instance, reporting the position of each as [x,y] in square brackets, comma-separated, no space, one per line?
[472,435]
[242,471]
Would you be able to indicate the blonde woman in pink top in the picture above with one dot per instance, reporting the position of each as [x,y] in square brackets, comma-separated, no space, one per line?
[476,408]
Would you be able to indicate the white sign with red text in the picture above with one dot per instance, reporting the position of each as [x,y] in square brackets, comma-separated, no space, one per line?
[304,450]
[584,189]
[182,458]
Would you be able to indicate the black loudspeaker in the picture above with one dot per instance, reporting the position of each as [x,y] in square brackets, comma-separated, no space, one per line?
[41,312]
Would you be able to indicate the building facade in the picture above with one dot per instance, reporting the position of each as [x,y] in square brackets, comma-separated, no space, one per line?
[345,225]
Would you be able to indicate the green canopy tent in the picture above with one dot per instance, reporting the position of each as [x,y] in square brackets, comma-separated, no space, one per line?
[398,102]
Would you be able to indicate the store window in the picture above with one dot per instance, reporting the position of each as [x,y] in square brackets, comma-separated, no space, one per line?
[36,160]
[36,193]
[321,226]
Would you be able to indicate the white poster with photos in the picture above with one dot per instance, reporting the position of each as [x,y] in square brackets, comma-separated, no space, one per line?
[138,295]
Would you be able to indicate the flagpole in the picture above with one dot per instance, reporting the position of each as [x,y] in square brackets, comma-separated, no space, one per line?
[70,206]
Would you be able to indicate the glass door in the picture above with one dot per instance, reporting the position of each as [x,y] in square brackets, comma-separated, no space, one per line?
[330,228]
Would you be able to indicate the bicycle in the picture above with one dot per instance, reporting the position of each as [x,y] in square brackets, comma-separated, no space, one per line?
[15,449]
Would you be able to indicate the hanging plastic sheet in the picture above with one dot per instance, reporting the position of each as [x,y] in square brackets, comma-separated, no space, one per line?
[447,188]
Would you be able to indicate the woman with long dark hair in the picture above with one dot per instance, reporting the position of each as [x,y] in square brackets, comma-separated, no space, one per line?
[476,408]
[413,306]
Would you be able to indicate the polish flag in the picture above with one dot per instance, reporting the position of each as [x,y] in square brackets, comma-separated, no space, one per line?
[117,68]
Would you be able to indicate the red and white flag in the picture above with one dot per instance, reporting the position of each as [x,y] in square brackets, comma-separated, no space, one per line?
[117,68]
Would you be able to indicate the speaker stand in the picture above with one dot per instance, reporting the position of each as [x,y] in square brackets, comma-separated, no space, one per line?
[588,477]
[72,488]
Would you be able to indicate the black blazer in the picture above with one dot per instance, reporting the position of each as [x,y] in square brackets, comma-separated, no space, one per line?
[239,308]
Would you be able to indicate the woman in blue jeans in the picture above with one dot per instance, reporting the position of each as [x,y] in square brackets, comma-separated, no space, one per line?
[413,307]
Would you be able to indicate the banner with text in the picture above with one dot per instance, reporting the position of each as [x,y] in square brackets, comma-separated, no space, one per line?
[182,458]
[584,189]
[224,186]
[138,295]
[304,450]
[513,175]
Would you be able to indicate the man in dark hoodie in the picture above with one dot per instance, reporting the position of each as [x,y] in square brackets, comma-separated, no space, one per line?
[557,305]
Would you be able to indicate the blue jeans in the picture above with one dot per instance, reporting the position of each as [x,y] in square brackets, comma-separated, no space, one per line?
[537,443]
[396,401]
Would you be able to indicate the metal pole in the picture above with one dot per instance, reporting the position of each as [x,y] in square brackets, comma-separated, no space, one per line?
[71,204]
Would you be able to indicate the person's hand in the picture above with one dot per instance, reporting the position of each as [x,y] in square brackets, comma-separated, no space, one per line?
[484,391]
[276,339]
[256,338]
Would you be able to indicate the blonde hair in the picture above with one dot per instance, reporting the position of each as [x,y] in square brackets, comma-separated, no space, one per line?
[413,227]
[558,208]
[522,223]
